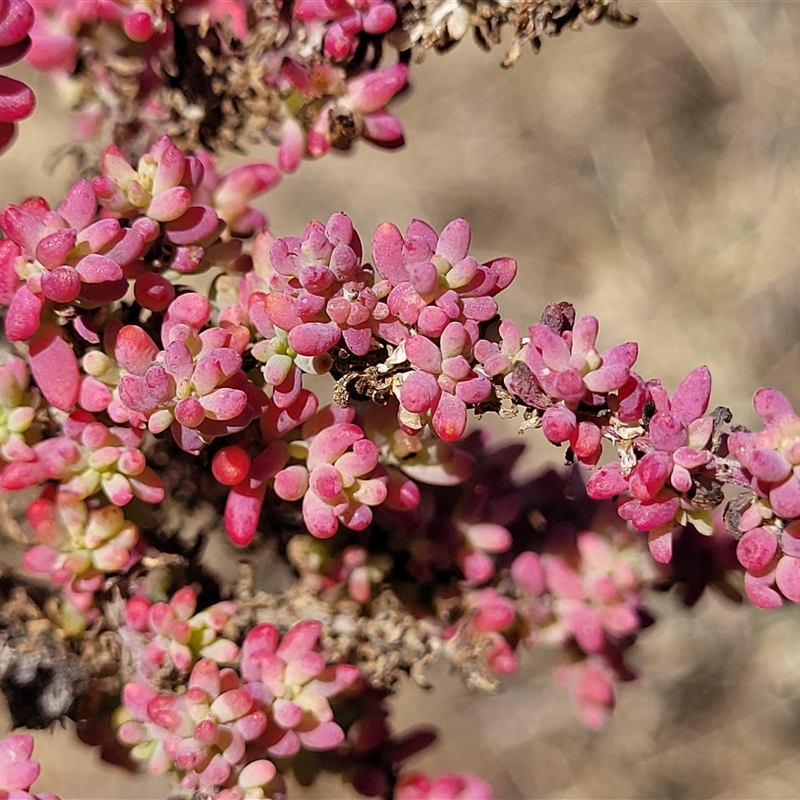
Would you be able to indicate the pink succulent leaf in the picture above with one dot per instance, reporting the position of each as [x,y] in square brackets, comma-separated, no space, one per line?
[246,182]
[17,20]
[22,318]
[529,574]
[768,465]
[134,349]
[554,350]
[314,338]
[52,249]
[243,507]
[96,268]
[291,483]
[22,227]
[585,627]
[660,542]
[332,442]
[761,591]
[54,367]
[450,418]
[489,537]
[655,513]
[287,714]
[650,474]
[79,206]
[325,736]
[454,241]
[567,384]
[334,679]
[419,392]
[785,498]
[362,459]
[231,705]
[387,253]
[373,90]
[17,100]
[690,399]
[299,640]
[147,486]
[757,549]
[9,280]
[292,146]
[17,771]
[624,354]
[584,336]
[279,308]
[607,379]
[193,225]
[285,745]
[559,424]
[383,129]
[667,431]
[772,406]
[190,309]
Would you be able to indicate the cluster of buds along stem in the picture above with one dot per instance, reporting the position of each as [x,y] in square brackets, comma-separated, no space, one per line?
[222,735]
[380,491]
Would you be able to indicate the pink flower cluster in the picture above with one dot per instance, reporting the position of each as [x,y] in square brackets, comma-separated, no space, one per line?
[325,95]
[86,458]
[769,548]
[580,591]
[418,511]
[327,462]
[587,592]
[347,108]
[195,385]
[79,546]
[571,371]
[84,254]
[675,451]
[348,18]
[439,295]
[219,737]
[385,488]
[315,291]
[173,635]
[57,27]
[353,572]
[18,407]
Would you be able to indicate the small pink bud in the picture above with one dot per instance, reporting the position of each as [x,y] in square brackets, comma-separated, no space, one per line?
[231,705]
[373,90]
[292,147]
[138,26]
[183,602]
[137,613]
[257,773]
[230,465]
[62,284]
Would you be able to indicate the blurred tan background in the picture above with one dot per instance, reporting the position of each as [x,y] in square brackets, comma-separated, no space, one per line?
[652,177]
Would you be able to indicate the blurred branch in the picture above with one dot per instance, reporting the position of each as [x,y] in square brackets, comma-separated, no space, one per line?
[440,24]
